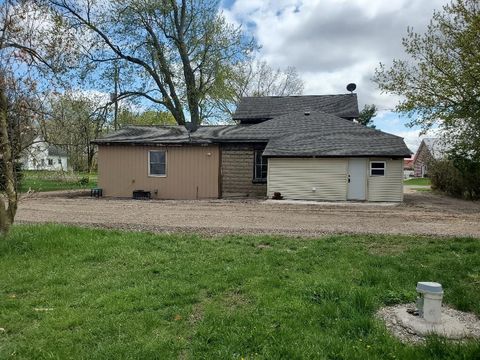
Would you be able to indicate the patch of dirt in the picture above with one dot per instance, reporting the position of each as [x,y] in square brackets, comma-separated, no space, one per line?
[235,299]
[386,249]
[197,314]
[406,334]
[421,214]
[263,246]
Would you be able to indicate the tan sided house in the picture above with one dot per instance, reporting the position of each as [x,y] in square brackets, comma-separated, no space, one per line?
[304,147]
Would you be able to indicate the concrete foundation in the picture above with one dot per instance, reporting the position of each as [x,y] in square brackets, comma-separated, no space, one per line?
[454,324]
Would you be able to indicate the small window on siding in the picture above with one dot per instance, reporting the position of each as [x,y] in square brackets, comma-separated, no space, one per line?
[377,168]
[59,161]
[50,162]
[261,166]
[157,163]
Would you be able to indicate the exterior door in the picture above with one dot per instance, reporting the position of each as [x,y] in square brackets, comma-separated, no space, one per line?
[357,178]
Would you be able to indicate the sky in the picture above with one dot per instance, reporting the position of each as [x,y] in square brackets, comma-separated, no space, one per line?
[335,42]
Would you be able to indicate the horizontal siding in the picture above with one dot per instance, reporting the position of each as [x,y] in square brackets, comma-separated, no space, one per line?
[295,178]
[388,187]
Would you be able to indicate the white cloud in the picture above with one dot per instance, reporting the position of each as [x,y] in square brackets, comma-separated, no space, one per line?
[333,42]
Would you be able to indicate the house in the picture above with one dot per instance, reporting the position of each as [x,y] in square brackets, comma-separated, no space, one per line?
[429,149]
[408,168]
[304,147]
[43,156]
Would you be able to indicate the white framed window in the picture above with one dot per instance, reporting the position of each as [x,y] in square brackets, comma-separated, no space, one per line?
[157,163]
[260,167]
[377,168]
[50,162]
[59,161]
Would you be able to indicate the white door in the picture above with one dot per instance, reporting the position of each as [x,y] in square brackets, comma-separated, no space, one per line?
[357,177]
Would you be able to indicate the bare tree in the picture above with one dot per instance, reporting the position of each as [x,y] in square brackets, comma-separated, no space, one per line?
[254,78]
[24,52]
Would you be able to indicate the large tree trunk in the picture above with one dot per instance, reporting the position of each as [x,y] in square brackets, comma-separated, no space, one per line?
[8,198]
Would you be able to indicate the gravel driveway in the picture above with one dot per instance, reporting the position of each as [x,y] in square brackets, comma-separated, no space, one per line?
[421,213]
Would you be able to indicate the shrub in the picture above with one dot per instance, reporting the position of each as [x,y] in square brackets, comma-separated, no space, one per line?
[277,196]
[458,176]
[84,180]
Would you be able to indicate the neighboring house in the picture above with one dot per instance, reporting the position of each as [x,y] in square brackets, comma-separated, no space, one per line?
[408,168]
[305,147]
[429,149]
[43,156]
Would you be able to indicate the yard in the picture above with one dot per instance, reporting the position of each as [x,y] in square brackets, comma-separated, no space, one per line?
[39,180]
[418,182]
[77,293]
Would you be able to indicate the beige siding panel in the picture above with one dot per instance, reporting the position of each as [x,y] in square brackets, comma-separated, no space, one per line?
[295,178]
[388,187]
[192,172]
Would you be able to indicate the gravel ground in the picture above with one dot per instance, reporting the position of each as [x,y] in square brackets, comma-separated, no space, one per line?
[421,213]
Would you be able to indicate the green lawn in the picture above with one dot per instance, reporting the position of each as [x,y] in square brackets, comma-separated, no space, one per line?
[418,181]
[55,180]
[70,293]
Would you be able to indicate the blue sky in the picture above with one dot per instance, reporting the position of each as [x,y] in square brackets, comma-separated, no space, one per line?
[334,42]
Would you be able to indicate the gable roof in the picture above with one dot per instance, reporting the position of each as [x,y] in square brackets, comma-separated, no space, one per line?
[254,109]
[54,150]
[318,134]
[437,147]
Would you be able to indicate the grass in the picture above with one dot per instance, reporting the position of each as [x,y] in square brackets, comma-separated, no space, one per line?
[71,293]
[55,180]
[418,181]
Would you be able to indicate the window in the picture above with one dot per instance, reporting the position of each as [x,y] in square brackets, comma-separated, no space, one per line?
[59,161]
[157,163]
[261,166]
[50,162]
[377,168]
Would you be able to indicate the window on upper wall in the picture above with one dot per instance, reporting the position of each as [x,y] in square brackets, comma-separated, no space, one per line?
[260,167]
[157,163]
[377,168]
[59,161]
[50,162]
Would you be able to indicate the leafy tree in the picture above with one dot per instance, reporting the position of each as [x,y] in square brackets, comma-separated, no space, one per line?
[439,81]
[176,47]
[73,121]
[253,78]
[148,117]
[367,114]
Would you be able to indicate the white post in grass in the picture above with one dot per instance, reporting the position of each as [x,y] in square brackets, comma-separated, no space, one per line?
[429,303]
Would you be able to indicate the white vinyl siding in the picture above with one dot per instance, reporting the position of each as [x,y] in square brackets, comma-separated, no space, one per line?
[308,179]
[390,186]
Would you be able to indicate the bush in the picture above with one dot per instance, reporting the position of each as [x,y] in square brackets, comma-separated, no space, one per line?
[459,177]
[84,180]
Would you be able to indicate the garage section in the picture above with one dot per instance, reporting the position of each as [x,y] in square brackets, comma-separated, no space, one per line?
[308,178]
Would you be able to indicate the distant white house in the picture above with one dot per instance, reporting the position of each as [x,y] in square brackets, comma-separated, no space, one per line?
[43,156]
